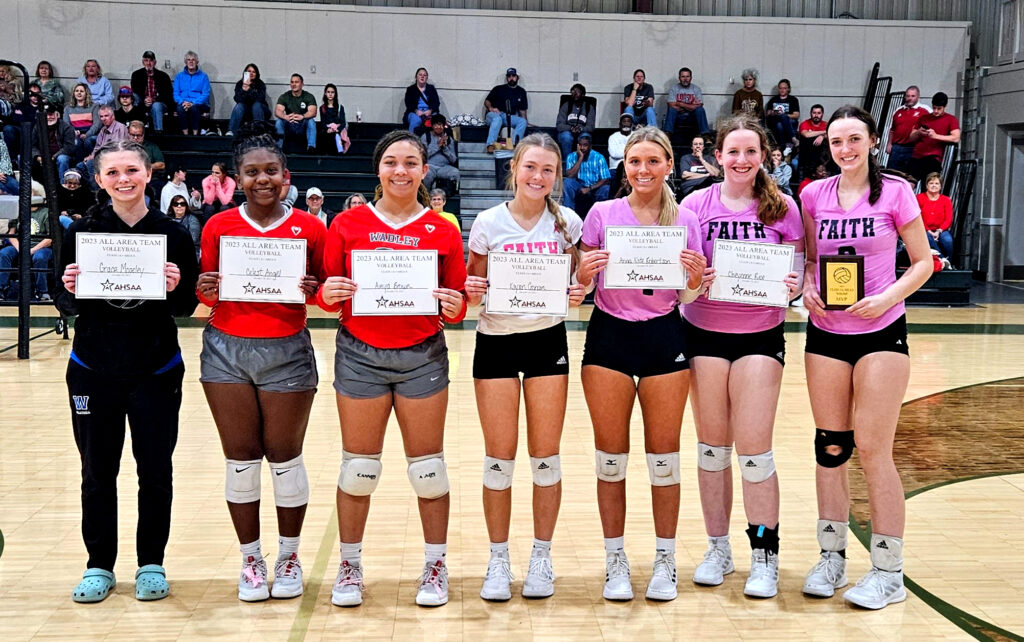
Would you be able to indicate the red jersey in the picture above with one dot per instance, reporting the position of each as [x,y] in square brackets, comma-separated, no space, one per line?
[937,214]
[261,320]
[903,122]
[943,124]
[363,228]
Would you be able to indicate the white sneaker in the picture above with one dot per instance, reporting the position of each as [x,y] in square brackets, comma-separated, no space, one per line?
[877,589]
[662,586]
[252,583]
[716,565]
[497,582]
[616,577]
[764,574]
[348,587]
[433,585]
[287,578]
[827,575]
[540,579]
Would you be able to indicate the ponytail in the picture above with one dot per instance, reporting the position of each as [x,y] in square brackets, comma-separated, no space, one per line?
[562,227]
[874,179]
[668,213]
[423,196]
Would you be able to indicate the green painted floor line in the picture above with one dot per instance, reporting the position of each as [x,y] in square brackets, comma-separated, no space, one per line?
[328,544]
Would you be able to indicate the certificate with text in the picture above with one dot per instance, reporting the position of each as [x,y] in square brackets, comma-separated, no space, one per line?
[521,283]
[260,269]
[121,266]
[394,282]
[644,257]
[751,273]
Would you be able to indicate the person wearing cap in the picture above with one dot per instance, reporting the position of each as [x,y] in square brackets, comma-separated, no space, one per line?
[441,154]
[60,140]
[153,90]
[506,105]
[315,206]
[73,201]
[127,110]
[617,141]
[586,174]
[934,132]
[191,94]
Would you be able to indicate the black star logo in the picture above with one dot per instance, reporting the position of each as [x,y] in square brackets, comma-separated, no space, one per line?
[107,285]
[381,302]
[514,301]
[737,289]
[249,288]
[632,275]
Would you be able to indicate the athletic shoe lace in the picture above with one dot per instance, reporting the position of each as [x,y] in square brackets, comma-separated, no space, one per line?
[255,573]
[664,566]
[616,566]
[499,566]
[759,564]
[288,568]
[830,565]
[540,568]
[350,575]
[436,575]
[874,582]
[717,556]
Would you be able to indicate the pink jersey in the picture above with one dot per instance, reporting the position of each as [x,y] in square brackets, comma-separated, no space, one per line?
[719,222]
[872,230]
[633,305]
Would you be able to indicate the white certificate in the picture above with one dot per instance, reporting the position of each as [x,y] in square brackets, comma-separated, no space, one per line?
[751,273]
[261,269]
[644,257]
[121,266]
[528,283]
[394,282]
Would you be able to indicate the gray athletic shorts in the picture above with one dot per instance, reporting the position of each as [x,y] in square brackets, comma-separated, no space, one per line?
[282,364]
[364,372]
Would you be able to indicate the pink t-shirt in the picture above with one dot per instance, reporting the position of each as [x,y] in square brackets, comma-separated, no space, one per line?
[872,230]
[719,222]
[633,305]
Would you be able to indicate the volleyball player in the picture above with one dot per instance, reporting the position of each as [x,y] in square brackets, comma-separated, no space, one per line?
[857,359]
[393,362]
[638,334]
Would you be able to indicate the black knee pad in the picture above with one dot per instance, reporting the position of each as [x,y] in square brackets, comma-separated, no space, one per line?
[825,438]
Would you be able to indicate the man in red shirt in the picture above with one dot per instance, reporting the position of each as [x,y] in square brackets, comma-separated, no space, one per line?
[933,133]
[813,142]
[900,146]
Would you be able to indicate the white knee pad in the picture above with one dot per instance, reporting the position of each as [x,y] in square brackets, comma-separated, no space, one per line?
[663,468]
[547,471]
[291,486]
[757,468]
[713,458]
[359,473]
[428,475]
[610,467]
[242,485]
[498,473]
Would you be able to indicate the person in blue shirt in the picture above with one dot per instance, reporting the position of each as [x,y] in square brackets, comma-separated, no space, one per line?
[191,94]
[586,172]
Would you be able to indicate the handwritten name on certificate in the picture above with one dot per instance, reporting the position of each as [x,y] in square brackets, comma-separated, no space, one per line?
[394,282]
[751,273]
[645,257]
[528,283]
[261,269]
[121,266]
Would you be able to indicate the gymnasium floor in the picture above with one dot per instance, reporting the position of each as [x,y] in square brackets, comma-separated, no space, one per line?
[959,449]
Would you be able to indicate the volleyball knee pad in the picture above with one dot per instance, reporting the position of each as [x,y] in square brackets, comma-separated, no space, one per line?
[242,485]
[832,535]
[291,486]
[757,468]
[663,468]
[713,458]
[498,473]
[360,474]
[547,471]
[428,475]
[610,467]
[825,439]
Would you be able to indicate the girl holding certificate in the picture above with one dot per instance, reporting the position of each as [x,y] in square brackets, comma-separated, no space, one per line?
[258,369]
[126,362]
[532,345]
[737,352]
[638,333]
[857,358]
[397,362]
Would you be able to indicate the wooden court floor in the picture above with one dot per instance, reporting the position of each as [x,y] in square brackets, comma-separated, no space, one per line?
[959,449]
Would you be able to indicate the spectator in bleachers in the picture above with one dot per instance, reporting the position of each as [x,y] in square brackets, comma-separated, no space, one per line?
[72,200]
[747,99]
[586,173]
[153,90]
[8,184]
[354,200]
[60,138]
[698,169]
[937,215]
[506,105]
[291,194]
[250,99]
[10,85]
[179,212]
[315,206]
[904,121]
[137,132]
[42,255]
[53,91]
[421,101]
[685,104]
[110,130]
[218,191]
[813,141]
[782,113]
[934,132]
[820,171]
[332,119]
[296,113]
[84,117]
[438,199]
[191,94]
[575,116]
[617,141]
[99,87]
[639,98]
[780,171]
[127,110]
[441,154]
[177,186]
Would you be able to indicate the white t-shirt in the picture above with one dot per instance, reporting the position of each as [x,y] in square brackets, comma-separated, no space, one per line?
[616,149]
[494,230]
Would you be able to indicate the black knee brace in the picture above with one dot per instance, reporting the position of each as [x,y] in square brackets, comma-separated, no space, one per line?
[823,439]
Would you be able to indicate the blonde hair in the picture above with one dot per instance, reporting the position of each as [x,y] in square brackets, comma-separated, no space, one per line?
[771,206]
[668,212]
[86,101]
[545,142]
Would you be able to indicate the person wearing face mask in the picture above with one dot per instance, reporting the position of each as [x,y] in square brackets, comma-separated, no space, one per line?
[697,169]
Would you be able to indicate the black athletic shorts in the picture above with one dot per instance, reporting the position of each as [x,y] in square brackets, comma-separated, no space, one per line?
[540,353]
[732,346]
[636,348]
[851,347]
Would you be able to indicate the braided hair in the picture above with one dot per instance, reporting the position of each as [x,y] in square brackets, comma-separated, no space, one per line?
[386,141]
[256,135]
[875,171]
[545,142]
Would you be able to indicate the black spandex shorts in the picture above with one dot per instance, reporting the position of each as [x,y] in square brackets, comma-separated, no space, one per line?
[851,347]
[540,353]
[636,348]
[732,346]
